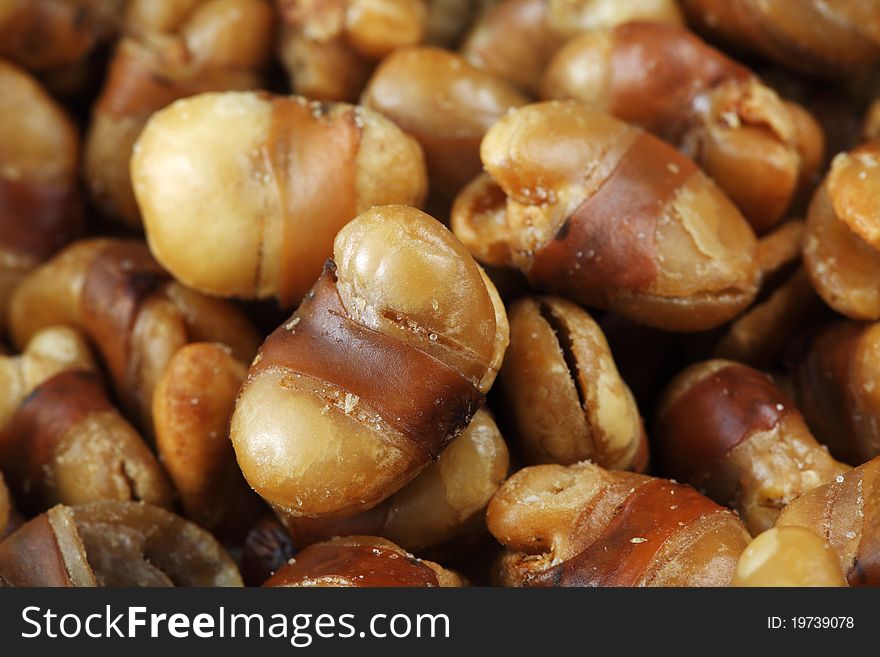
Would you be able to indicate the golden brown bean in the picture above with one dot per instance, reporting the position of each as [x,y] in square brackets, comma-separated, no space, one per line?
[846,513]
[439,505]
[842,239]
[728,430]
[682,258]
[804,35]
[330,48]
[67,444]
[171,50]
[48,352]
[192,404]
[496,42]
[410,335]
[758,148]
[40,205]
[788,556]
[837,383]
[562,392]
[581,525]
[447,104]
[871,122]
[129,308]
[357,561]
[786,304]
[274,177]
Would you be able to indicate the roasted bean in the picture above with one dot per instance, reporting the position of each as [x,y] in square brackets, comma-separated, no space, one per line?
[170,50]
[274,177]
[134,314]
[728,430]
[757,147]
[357,561]
[113,544]
[600,212]
[846,512]
[439,505]
[788,556]
[584,526]
[384,363]
[562,392]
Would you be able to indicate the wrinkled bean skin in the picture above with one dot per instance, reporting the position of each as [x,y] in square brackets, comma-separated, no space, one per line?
[846,512]
[683,259]
[404,371]
[275,177]
[447,104]
[329,47]
[170,50]
[837,383]
[582,525]
[113,544]
[728,430]
[788,556]
[357,561]
[565,397]
[803,35]
[439,505]
[757,147]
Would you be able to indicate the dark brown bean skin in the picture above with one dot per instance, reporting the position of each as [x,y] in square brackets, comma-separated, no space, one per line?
[760,149]
[358,561]
[370,379]
[837,383]
[113,544]
[565,217]
[6,510]
[267,547]
[137,317]
[67,444]
[728,430]
[802,35]
[61,41]
[584,526]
